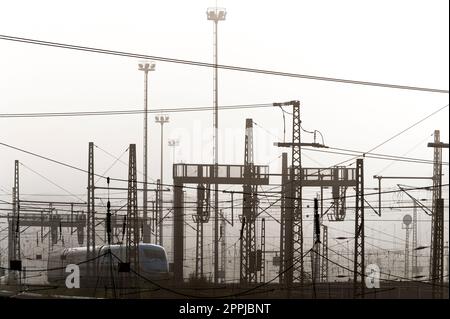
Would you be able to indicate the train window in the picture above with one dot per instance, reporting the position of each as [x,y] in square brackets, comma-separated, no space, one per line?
[154,254]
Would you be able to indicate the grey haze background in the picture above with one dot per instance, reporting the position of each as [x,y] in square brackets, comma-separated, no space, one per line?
[400,42]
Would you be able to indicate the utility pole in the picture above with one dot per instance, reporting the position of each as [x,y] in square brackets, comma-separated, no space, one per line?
[132,252]
[146,67]
[178,233]
[448,260]
[407,220]
[284,192]
[415,270]
[90,220]
[296,193]
[248,269]
[359,262]
[293,217]
[158,215]
[202,217]
[131,224]
[216,14]
[317,242]
[162,119]
[262,254]
[324,264]
[15,263]
[437,220]
[223,248]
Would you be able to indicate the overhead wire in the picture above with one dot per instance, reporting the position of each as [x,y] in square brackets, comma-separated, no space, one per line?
[185,186]
[217,66]
[381,272]
[51,182]
[385,157]
[131,111]
[398,134]
[117,159]
[420,143]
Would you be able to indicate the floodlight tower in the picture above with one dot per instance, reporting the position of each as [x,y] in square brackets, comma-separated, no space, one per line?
[173,143]
[146,67]
[216,14]
[162,119]
[407,220]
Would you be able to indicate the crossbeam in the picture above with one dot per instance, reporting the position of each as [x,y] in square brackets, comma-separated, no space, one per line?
[41,220]
[226,174]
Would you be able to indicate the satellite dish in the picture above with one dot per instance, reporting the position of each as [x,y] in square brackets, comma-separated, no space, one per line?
[407,220]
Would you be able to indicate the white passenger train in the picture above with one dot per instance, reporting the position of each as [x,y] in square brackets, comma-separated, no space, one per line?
[152,264]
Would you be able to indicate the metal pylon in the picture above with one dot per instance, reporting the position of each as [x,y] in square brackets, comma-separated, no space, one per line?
[132,253]
[437,222]
[296,194]
[90,220]
[324,264]
[202,217]
[407,252]
[359,265]
[248,269]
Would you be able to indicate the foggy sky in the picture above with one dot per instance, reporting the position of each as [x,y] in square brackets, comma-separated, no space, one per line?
[399,42]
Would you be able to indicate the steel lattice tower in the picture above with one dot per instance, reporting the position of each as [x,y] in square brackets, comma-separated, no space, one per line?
[14,229]
[437,222]
[202,217]
[407,252]
[359,266]
[132,253]
[159,213]
[248,240]
[223,248]
[415,271]
[16,213]
[324,264]
[262,273]
[90,234]
[296,194]
[292,205]
[284,192]
[438,253]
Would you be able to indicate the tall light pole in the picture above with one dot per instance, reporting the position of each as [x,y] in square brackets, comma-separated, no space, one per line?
[407,220]
[173,143]
[216,14]
[146,67]
[162,119]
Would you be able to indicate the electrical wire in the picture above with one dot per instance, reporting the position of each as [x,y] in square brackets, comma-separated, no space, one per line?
[399,133]
[171,185]
[387,157]
[382,273]
[131,112]
[51,182]
[421,143]
[218,297]
[117,159]
[217,66]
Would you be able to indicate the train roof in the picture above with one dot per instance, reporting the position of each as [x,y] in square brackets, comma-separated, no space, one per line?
[100,247]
